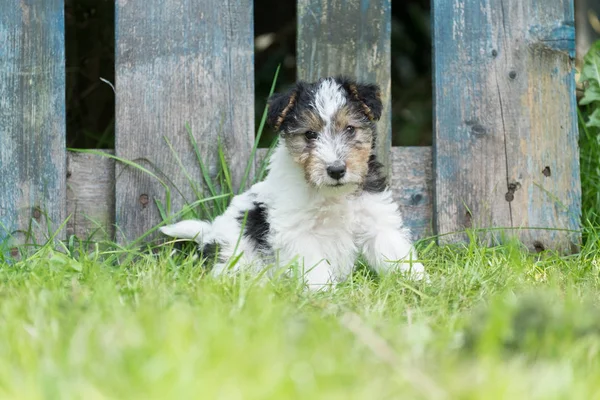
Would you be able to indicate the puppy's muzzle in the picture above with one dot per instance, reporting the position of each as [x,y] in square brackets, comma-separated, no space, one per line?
[337,170]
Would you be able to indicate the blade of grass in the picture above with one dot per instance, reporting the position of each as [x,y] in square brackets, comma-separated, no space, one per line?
[184,170]
[134,165]
[260,131]
[265,161]
[224,167]
[203,169]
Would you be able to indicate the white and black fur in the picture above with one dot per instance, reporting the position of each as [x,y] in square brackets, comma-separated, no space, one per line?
[324,201]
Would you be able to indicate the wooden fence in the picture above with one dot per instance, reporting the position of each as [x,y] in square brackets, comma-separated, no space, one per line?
[505,151]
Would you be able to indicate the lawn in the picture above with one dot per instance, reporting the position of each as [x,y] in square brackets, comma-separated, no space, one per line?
[492,323]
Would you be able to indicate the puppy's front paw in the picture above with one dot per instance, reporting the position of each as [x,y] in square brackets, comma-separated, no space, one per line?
[414,271]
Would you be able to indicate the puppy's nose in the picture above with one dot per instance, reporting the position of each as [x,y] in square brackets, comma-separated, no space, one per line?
[336,170]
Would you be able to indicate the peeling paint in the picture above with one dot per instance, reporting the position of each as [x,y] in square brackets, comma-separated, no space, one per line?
[504,105]
[32,133]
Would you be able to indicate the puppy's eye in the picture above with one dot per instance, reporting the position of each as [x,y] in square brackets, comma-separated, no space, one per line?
[311,135]
[350,130]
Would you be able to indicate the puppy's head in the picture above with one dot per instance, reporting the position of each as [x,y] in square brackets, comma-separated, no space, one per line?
[329,130]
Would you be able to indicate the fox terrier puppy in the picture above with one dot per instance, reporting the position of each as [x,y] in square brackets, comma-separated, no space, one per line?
[324,201]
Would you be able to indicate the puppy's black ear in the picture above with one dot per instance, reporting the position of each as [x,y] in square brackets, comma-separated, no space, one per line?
[367,95]
[280,105]
[370,96]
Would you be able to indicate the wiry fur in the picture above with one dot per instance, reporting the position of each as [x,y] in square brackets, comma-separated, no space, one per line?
[300,213]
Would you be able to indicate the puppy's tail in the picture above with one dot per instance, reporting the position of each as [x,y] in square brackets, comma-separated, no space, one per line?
[195,230]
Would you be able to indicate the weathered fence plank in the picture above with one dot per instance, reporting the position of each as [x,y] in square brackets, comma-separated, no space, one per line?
[179,62]
[91,190]
[506,151]
[411,182]
[91,196]
[32,120]
[352,38]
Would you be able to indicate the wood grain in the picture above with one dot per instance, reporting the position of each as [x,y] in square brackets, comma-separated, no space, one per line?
[505,150]
[352,38]
[91,196]
[32,121]
[179,62]
[411,182]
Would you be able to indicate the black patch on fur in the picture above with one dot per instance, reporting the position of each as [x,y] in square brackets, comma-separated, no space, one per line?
[303,95]
[375,181]
[210,251]
[257,227]
[368,93]
[186,248]
[277,103]
[303,92]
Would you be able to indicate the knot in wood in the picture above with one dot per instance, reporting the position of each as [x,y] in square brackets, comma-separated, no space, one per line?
[14,252]
[468,219]
[512,188]
[416,199]
[538,246]
[478,130]
[144,200]
[547,172]
[37,213]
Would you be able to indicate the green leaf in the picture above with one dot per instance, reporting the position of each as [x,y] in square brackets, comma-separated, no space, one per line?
[589,97]
[590,75]
[590,72]
[594,119]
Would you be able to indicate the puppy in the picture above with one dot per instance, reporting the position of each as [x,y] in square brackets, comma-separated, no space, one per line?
[324,201]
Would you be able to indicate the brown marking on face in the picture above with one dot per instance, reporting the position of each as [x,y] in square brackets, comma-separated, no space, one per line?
[313,167]
[302,153]
[300,148]
[307,121]
[357,161]
[359,144]
[345,117]
[312,121]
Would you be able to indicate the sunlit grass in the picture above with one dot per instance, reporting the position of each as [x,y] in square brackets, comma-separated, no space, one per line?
[492,323]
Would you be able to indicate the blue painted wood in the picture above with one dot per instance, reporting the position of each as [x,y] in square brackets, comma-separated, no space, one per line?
[505,153]
[32,120]
[349,37]
[411,184]
[179,62]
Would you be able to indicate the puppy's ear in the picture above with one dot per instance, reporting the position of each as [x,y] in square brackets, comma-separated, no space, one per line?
[280,105]
[368,96]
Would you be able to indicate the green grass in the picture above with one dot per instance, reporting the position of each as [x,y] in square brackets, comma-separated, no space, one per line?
[589,126]
[493,323]
[120,323]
